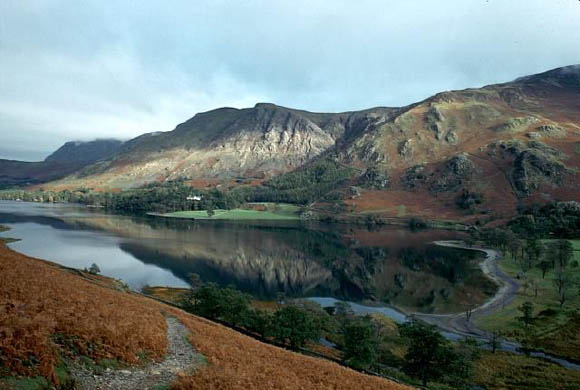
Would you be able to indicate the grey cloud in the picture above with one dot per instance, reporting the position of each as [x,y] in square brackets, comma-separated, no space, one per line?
[81,70]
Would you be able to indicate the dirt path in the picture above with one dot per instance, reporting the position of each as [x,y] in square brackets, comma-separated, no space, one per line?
[458,322]
[180,358]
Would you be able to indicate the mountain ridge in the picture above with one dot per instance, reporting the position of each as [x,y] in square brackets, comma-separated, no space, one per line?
[518,141]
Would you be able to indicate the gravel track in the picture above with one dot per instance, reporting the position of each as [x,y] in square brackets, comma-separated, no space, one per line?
[181,358]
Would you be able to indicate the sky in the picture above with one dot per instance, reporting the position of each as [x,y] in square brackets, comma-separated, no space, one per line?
[80,70]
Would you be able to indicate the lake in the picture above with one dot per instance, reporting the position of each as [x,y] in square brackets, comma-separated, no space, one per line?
[381,265]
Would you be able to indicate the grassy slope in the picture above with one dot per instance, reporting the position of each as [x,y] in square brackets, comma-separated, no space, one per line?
[555,332]
[279,212]
[39,300]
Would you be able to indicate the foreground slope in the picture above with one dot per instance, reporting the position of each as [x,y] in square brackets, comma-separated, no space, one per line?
[49,314]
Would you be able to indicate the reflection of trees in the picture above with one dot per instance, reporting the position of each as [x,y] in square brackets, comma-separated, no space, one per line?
[452,264]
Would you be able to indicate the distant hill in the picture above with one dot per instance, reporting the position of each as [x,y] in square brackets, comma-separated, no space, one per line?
[86,152]
[69,158]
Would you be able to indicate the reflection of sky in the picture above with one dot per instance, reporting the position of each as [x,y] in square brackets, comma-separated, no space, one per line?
[80,249]
[44,209]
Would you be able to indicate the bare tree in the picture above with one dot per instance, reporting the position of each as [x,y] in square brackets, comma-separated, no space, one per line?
[544,266]
[562,279]
[559,252]
[494,340]
[564,283]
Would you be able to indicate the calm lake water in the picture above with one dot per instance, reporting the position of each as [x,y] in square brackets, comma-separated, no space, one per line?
[389,265]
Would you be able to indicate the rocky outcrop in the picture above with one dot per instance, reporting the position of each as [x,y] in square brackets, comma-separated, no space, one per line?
[532,167]
[551,131]
[413,177]
[376,178]
[454,174]
[405,149]
[534,164]
[433,121]
[516,125]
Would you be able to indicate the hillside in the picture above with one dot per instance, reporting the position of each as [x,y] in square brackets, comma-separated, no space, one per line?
[456,153]
[509,143]
[53,319]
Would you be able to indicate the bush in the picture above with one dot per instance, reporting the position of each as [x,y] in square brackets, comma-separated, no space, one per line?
[226,304]
[94,269]
[360,343]
[293,325]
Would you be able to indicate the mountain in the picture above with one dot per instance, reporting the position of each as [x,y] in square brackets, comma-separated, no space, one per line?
[457,152]
[229,143]
[68,159]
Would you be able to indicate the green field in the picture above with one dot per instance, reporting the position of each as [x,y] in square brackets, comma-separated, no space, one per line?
[281,212]
[554,325]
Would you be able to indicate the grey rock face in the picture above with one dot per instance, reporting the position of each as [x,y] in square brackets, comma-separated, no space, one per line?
[405,149]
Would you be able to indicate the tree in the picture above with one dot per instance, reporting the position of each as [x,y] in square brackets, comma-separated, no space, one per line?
[235,306]
[494,341]
[259,321]
[461,362]
[214,302]
[429,353]
[563,281]
[292,324]
[469,240]
[514,246]
[527,309]
[210,210]
[94,269]
[534,249]
[560,252]
[206,301]
[360,343]
[544,266]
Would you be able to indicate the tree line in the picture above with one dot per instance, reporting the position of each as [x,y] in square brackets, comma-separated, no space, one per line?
[302,187]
